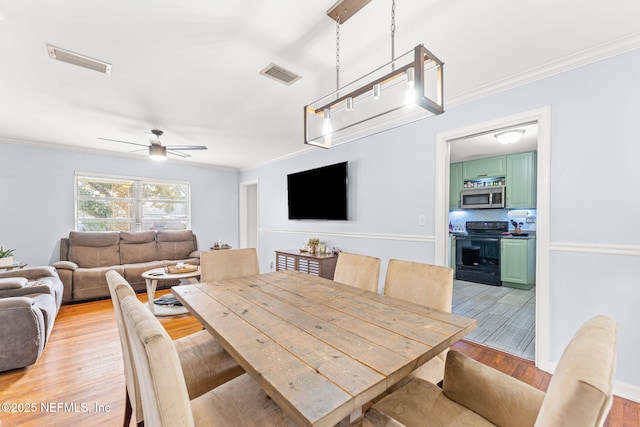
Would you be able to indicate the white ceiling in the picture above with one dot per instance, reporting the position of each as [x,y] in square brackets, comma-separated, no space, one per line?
[191,68]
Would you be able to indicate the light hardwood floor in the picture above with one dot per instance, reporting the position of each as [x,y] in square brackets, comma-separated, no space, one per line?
[506,316]
[78,381]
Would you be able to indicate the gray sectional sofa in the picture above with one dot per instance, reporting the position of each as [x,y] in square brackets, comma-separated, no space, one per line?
[29,302]
[85,257]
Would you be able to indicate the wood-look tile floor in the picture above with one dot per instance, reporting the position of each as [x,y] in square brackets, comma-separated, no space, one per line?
[506,316]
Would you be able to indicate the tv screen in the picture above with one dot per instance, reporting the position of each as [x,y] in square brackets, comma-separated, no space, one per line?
[319,193]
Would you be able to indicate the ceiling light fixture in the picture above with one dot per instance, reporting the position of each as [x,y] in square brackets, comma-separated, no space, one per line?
[509,136]
[377,101]
[158,153]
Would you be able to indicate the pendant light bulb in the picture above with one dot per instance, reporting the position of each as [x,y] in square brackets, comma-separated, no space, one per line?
[410,94]
[376,91]
[326,124]
[349,104]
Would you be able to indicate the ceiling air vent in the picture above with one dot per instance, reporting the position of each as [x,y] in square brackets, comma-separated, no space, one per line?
[280,74]
[77,59]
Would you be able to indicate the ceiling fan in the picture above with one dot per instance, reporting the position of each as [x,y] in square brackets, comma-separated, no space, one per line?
[157,151]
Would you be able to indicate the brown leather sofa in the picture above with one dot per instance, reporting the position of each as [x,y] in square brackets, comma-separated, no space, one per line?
[29,302]
[85,257]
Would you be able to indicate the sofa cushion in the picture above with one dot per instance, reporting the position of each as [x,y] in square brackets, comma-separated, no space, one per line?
[90,250]
[174,245]
[138,247]
[91,283]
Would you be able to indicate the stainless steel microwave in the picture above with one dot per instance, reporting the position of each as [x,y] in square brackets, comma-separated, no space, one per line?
[482,198]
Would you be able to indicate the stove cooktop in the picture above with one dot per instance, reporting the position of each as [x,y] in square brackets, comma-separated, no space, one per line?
[487,227]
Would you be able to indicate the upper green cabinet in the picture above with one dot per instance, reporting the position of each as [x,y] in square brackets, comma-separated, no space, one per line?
[456,183]
[521,180]
[485,168]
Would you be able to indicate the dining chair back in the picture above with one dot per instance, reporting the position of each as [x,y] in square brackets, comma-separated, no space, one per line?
[205,364]
[163,389]
[165,398]
[228,264]
[361,271]
[428,285]
[425,284]
[119,289]
[474,394]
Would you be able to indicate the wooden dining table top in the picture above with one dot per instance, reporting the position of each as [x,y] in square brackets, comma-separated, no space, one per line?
[318,348]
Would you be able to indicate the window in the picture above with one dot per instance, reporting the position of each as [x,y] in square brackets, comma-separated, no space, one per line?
[111,203]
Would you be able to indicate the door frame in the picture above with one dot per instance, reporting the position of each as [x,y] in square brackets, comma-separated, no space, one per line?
[543,118]
[245,214]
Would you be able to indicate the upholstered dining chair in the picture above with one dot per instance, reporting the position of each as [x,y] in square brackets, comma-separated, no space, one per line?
[361,271]
[228,264]
[428,285]
[204,362]
[165,398]
[473,394]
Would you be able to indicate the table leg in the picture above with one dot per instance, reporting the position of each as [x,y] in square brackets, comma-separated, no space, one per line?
[152,284]
[347,421]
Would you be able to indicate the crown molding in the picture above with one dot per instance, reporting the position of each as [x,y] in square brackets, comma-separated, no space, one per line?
[571,62]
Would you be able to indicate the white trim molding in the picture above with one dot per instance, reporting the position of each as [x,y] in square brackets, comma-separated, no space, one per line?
[376,236]
[596,248]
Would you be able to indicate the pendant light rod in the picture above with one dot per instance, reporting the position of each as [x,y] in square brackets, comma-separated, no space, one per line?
[345,9]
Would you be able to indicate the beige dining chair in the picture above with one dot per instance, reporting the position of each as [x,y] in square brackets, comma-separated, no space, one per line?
[474,394]
[428,285]
[163,389]
[228,264]
[204,362]
[361,271]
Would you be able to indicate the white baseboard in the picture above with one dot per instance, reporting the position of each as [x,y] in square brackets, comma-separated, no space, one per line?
[626,391]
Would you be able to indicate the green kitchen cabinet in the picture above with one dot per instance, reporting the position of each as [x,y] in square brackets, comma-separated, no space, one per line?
[456,183]
[518,262]
[485,168]
[521,180]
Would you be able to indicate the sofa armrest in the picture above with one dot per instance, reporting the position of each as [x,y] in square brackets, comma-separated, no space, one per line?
[22,330]
[194,254]
[496,396]
[65,265]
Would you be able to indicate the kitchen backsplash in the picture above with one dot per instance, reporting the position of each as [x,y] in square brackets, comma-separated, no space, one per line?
[459,218]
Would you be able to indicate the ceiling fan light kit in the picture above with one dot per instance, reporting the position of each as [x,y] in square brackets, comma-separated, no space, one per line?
[157,153]
[406,89]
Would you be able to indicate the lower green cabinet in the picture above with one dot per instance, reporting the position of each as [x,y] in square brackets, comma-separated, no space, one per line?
[518,263]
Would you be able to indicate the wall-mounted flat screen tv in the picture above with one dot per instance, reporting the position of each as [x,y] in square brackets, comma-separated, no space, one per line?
[320,193]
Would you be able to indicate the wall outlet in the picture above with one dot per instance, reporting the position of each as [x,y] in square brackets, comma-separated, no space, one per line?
[271,265]
[422,219]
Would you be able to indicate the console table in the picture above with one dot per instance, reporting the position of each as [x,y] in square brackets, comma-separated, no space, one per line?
[317,264]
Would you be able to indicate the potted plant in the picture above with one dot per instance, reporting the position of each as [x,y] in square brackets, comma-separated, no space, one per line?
[6,257]
[313,244]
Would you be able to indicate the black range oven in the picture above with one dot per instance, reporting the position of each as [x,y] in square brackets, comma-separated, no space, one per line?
[478,252]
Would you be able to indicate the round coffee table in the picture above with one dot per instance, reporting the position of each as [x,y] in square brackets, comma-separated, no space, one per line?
[152,277]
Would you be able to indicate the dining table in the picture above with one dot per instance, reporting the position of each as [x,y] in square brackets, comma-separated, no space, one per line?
[320,349]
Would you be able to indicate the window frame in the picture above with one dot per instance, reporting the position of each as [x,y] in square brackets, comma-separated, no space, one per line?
[136,221]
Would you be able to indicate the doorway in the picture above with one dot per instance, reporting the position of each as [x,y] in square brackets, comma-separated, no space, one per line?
[542,117]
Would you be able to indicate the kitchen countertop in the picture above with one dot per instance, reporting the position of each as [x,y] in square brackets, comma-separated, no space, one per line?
[532,235]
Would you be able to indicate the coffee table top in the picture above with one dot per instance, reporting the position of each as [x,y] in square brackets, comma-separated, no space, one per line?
[159,274]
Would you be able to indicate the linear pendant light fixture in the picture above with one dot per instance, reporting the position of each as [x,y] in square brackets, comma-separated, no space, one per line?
[406,89]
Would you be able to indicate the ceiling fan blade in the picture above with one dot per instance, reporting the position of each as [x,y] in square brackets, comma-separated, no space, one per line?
[186,147]
[124,142]
[177,153]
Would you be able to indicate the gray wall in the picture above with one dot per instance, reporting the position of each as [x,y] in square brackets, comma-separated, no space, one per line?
[37,198]
[594,241]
